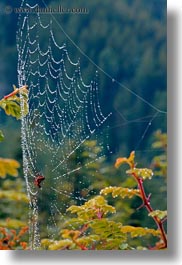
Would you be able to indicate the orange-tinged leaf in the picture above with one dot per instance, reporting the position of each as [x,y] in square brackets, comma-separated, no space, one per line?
[123,160]
[24,245]
[120,161]
[132,157]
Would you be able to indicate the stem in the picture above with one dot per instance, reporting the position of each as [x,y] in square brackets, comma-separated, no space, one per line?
[83,229]
[12,94]
[15,92]
[146,203]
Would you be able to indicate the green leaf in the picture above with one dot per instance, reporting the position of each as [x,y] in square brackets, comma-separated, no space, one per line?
[1,136]
[14,105]
[109,233]
[11,108]
[75,222]
[88,240]
[157,213]
[106,228]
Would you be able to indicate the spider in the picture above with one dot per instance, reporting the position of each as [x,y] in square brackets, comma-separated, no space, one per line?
[38,179]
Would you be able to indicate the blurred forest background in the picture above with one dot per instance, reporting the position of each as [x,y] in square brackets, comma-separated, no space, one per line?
[127,39]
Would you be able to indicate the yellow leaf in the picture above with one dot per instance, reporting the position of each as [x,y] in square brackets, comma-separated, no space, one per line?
[62,244]
[8,167]
[94,208]
[14,195]
[139,231]
[144,173]
[120,191]
[12,223]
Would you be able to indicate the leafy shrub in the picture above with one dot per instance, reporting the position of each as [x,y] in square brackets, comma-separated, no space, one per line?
[92,228]
[14,201]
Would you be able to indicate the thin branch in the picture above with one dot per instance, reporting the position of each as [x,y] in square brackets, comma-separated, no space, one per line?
[146,203]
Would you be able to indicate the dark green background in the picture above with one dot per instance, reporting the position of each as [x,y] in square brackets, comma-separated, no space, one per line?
[127,39]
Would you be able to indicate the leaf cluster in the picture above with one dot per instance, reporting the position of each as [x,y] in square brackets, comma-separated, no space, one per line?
[93,229]
[16,103]
[93,226]
[11,239]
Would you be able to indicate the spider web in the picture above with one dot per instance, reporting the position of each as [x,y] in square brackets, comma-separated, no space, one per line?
[64,113]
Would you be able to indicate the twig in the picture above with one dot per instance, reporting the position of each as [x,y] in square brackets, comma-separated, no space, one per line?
[15,92]
[146,204]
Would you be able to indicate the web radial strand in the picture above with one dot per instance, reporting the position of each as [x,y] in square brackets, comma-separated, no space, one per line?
[64,113]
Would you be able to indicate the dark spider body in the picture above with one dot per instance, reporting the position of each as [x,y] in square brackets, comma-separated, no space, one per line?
[38,179]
